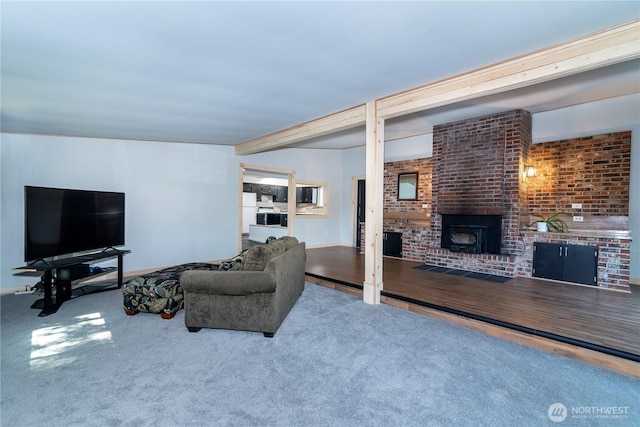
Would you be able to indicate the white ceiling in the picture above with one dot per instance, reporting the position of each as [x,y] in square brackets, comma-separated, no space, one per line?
[226,72]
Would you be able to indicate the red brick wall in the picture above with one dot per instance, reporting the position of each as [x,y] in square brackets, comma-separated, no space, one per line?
[414,238]
[594,171]
[469,158]
[391,171]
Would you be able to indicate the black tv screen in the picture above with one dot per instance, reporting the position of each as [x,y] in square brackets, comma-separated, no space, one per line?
[63,221]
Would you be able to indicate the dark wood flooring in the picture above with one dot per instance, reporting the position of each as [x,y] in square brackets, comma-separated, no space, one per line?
[595,319]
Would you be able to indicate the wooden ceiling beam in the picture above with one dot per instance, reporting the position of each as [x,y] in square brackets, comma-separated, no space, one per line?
[608,47]
[611,46]
[346,119]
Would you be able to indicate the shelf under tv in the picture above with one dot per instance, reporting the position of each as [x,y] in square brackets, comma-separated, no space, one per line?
[64,286]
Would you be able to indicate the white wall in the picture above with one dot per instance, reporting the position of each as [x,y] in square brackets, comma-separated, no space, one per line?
[414,147]
[177,199]
[181,199]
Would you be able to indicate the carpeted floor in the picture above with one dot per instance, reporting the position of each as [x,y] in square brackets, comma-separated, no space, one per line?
[335,361]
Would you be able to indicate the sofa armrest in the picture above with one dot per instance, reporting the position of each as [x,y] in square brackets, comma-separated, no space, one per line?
[228,282]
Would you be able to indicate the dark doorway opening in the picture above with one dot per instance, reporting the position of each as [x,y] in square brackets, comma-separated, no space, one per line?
[360,212]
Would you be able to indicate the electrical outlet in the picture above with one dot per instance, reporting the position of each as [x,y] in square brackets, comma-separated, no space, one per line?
[576,206]
[426,205]
[578,219]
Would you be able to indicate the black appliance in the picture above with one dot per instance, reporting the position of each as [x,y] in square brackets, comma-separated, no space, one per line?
[63,221]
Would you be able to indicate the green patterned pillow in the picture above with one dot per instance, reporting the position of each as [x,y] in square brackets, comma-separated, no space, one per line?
[234,264]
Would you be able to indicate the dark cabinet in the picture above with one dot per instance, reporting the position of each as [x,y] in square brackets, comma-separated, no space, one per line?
[269,218]
[306,194]
[392,244]
[266,189]
[280,193]
[252,188]
[569,263]
[248,187]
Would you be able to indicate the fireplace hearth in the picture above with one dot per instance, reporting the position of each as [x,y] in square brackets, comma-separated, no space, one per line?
[473,234]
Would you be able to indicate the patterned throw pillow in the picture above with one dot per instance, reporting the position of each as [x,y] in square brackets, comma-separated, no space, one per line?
[234,264]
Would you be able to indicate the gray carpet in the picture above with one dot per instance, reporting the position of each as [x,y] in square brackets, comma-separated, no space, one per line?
[335,361]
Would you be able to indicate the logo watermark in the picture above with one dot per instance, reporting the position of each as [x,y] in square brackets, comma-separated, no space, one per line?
[558,412]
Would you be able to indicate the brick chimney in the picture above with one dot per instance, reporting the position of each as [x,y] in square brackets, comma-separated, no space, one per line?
[477,164]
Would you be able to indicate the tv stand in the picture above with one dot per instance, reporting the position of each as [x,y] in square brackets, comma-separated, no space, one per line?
[49,304]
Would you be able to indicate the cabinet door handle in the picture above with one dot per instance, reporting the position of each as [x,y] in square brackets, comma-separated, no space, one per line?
[566,250]
[560,251]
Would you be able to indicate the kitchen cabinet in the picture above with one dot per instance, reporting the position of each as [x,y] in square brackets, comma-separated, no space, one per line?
[267,189]
[306,194]
[270,218]
[252,188]
[392,244]
[280,193]
[260,233]
[569,263]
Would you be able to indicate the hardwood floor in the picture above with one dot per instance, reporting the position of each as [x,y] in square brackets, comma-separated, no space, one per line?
[591,324]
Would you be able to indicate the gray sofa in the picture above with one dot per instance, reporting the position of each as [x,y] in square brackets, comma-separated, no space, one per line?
[255,294]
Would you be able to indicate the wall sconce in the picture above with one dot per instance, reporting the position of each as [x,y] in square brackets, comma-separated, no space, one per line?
[529,171]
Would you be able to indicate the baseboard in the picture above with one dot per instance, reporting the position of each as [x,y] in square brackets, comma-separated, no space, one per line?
[13,289]
[328,245]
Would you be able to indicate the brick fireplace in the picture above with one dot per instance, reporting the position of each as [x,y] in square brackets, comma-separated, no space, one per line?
[476,174]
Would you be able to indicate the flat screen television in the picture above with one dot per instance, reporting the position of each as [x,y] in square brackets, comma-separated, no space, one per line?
[64,221]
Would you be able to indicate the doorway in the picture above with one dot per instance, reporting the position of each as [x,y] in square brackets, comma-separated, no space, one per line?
[265,175]
[360,210]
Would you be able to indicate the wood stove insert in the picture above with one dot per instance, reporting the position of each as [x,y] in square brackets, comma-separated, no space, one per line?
[474,234]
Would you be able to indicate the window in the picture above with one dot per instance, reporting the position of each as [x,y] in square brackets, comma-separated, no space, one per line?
[311,199]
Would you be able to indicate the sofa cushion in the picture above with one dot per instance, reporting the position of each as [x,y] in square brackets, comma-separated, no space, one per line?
[257,257]
[289,241]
